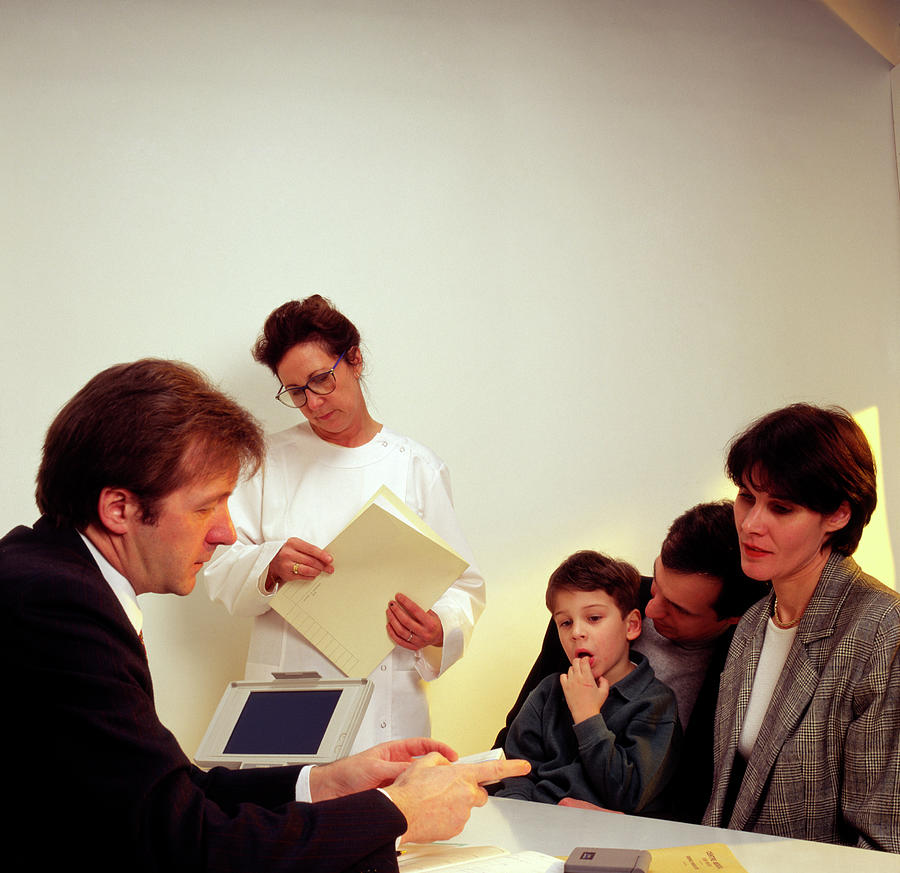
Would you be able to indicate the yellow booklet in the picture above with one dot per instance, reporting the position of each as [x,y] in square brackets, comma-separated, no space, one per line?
[384,550]
[712,857]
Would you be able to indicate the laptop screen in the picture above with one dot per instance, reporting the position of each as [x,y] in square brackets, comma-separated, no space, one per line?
[282,723]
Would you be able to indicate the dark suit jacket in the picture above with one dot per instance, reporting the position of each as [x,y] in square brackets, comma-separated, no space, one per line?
[691,785]
[95,779]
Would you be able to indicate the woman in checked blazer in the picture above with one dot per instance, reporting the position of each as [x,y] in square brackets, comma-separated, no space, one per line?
[807,734]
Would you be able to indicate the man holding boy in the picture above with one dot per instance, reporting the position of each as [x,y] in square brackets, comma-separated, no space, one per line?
[691,606]
[605,732]
[133,487]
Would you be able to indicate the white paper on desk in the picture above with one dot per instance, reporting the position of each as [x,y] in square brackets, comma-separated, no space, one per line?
[385,549]
[422,858]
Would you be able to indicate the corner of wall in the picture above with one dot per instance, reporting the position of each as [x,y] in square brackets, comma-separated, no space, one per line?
[895,101]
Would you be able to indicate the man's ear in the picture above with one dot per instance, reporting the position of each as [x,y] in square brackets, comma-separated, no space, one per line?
[116,509]
[633,625]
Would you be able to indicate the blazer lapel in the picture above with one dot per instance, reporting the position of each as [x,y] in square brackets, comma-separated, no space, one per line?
[734,695]
[67,538]
[793,693]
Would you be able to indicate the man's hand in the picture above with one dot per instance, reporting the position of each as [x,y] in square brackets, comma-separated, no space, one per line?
[575,803]
[373,768]
[585,695]
[411,627]
[437,797]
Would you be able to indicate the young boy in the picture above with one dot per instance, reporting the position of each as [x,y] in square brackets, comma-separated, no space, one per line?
[607,732]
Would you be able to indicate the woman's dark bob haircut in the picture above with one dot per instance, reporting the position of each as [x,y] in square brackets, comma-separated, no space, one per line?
[812,456]
[314,320]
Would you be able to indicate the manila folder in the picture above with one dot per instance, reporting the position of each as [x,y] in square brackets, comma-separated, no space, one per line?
[384,550]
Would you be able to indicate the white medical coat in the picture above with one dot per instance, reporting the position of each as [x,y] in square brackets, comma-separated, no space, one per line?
[311,489]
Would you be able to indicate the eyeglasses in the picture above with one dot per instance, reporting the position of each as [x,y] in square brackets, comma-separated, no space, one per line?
[321,384]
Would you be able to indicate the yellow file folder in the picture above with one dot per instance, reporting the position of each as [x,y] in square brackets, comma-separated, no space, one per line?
[384,550]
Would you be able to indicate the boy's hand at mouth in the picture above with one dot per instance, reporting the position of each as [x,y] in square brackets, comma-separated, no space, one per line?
[584,695]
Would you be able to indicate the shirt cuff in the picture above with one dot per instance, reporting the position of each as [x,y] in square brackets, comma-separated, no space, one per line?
[261,585]
[301,792]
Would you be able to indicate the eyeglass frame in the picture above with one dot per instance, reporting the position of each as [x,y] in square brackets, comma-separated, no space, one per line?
[307,387]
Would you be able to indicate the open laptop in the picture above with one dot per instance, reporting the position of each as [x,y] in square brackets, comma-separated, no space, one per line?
[297,718]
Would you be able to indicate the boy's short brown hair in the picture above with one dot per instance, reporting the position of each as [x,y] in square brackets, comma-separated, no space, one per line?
[593,571]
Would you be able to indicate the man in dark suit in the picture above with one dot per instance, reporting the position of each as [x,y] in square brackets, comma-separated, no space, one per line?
[697,595]
[133,487]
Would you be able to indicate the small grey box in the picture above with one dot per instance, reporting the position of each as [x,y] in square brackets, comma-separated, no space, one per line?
[585,859]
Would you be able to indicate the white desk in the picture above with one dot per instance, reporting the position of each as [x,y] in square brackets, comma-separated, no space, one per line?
[517,825]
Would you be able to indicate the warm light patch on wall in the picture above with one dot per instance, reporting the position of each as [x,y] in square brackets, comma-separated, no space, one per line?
[874,554]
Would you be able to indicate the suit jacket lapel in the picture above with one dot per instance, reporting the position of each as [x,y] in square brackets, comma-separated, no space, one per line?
[793,693]
[67,538]
[734,694]
[794,690]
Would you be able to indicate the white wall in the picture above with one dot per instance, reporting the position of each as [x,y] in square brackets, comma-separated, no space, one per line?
[586,242]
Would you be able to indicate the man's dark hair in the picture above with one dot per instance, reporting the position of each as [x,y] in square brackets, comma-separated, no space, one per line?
[704,540]
[149,427]
[594,571]
[815,457]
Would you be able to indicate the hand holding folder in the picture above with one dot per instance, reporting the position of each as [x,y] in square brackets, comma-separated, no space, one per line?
[386,548]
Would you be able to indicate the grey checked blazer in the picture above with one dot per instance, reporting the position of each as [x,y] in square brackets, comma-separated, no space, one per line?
[826,764]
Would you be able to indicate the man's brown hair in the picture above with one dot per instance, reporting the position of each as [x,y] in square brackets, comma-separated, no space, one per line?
[149,427]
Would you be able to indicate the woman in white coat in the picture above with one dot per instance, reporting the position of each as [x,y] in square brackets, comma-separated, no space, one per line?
[316,477]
